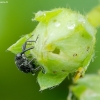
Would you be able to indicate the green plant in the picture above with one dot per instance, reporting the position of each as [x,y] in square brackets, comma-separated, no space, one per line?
[66,41]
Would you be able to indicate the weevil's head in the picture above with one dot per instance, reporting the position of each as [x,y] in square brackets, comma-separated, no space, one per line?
[18,56]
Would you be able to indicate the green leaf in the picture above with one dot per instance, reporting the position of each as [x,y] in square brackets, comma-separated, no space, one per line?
[17,47]
[49,80]
[45,16]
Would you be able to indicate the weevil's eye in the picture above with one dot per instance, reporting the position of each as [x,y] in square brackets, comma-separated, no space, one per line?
[18,56]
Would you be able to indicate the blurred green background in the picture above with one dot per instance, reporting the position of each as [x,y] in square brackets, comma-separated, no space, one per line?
[15,21]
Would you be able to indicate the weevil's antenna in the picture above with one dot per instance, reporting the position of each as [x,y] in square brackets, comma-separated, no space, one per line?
[27,50]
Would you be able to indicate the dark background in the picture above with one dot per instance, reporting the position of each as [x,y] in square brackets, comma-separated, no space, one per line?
[15,21]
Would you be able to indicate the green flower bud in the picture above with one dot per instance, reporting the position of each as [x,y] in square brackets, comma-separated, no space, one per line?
[66,40]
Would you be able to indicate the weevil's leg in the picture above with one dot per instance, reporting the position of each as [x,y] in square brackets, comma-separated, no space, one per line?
[39,67]
[36,67]
[31,40]
[79,73]
[26,43]
[34,70]
[31,60]
[43,71]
